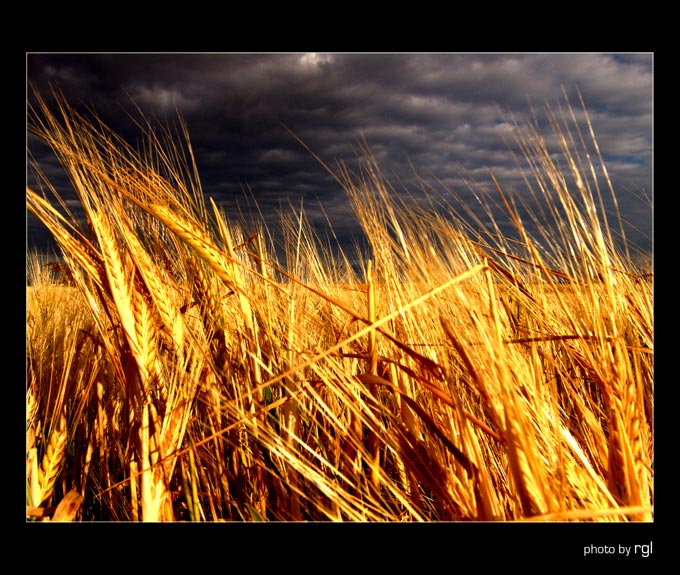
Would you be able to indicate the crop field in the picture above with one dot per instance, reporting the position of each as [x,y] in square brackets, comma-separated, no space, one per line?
[181,367]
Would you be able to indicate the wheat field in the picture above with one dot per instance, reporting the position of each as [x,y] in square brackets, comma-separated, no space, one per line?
[182,367]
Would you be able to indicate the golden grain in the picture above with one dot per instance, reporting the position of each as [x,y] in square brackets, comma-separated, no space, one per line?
[458,380]
[53,460]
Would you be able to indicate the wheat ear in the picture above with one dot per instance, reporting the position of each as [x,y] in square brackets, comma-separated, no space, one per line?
[53,459]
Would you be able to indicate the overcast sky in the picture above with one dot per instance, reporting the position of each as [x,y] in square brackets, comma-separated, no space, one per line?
[442,113]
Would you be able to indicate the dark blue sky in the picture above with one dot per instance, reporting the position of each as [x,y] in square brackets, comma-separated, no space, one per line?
[442,113]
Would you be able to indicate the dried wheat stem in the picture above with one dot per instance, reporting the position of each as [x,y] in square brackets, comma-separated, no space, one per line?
[68,507]
[373,443]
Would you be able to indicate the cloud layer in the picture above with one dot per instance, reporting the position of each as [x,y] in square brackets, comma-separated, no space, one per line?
[444,114]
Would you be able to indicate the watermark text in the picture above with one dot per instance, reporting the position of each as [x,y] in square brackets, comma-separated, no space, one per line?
[642,550]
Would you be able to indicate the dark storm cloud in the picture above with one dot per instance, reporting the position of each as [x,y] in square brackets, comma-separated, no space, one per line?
[446,114]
